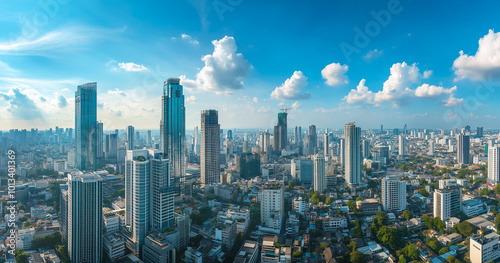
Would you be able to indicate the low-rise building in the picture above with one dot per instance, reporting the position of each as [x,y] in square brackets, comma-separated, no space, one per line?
[368,206]
[334,223]
[473,207]
[114,247]
[248,253]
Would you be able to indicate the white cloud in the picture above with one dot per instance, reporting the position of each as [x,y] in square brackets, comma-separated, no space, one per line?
[291,89]
[452,101]
[224,69]
[431,91]
[373,54]
[485,63]
[296,105]
[427,74]
[189,39]
[130,66]
[117,92]
[335,74]
[255,99]
[397,89]
[191,99]
[360,95]
[58,40]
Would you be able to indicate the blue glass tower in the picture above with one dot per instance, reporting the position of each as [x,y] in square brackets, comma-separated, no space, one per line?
[173,133]
[86,127]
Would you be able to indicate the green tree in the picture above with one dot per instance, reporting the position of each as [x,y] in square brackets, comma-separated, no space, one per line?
[329,200]
[444,250]
[465,228]
[297,254]
[352,206]
[433,244]
[402,259]
[484,191]
[389,237]
[357,257]
[21,256]
[407,214]
[324,245]
[360,198]
[27,224]
[497,222]
[382,218]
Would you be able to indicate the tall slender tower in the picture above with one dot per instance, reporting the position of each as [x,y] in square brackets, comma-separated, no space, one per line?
[130,137]
[352,157]
[86,126]
[210,152]
[173,133]
[100,142]
[196,147]
[85,222]
[402,145]
[463,148]
[280,132]
[325,144]
[314,138]
[319,173]
[494,164]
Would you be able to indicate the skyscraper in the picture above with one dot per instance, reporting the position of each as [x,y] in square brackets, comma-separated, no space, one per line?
[280,132]
[100,142]
[463,148]
[494,165]
[393,194]
[342,152]
[325,145]
[111,147]
[447,202]
[366,148]
[173,133]
[149,138]
[130,137]
[402,145]
[353,159]
[319,173]
[479,132]
[85,222]
[210,152]
[313,138]
[149,203]
[86,126]
[196,147]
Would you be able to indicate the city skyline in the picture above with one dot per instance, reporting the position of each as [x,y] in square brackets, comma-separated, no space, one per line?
[352,80]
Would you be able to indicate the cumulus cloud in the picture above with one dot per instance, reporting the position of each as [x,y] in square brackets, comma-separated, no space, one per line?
[117,92]
[431,91]
[360,95]
[373,54]
[452,101]
[485,63]
[427,74]
[397,89]
[224,69]
[62,102]
[130,66]
[191,99]
[21,106]
[189,39]
[335,74]
[255,99]
[291,89]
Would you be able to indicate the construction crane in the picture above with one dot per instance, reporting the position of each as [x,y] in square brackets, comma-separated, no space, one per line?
[285,109]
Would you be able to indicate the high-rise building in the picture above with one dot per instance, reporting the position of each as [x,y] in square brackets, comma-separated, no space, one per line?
[130,137]
[431,148]
[484,249]
[313,138]
[196,147]
[149,203]
[402,145]
[353,161]
[86,126]
[100,142]
[366,148]
[342,152]
[319,173]
[248,165]
[111,147]
[325,145]
[494,165]
[149,139]
[447,202]
[229,135]
[272,207]
[393,194]
[280,133]
[479,132]
[210,152]
[463,149]
[85,222]
[183,225]
[173,133]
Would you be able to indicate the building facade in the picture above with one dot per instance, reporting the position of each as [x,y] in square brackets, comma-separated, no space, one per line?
[86,127]
[210,149]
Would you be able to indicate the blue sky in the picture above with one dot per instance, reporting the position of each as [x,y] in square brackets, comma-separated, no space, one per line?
[423,63]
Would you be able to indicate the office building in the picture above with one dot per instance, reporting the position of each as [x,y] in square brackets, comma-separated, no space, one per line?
[130,137]
[484,249]
[325,145]
[402,145]
[313,139]
[85,222]
[393,194]
[248,165]
[463,149]
[365,148]
[158,249]
[210,152]
[173,133]
[319,173]
[493,165]
[111,147]
[447,202]
[479,132]
[280,140]
[100,142]
[272,207]
[353,161]
[248,253]
[86,127]
[302,170]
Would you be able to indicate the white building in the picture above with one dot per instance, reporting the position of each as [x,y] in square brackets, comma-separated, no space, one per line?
[353,160]
[299,205]
[473,208]
[493,165]
[447,202]
[242,218]
[319,173]
[111,223]
[484,249]
[334,223]
[25,238]
[463,149]
[402,145]
[272,207]
[393,194]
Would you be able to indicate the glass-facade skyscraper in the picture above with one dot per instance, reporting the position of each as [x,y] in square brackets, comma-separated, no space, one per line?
[210,152]
[173,133]
[280,132]
[86,127]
